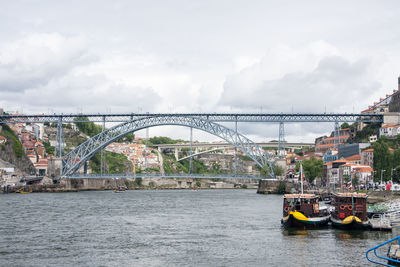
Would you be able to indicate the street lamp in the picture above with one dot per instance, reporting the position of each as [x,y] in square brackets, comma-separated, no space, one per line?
[382,171]
[391,176]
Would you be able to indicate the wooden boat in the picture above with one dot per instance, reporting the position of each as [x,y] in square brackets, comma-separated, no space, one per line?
[120,189]
[349,211]
[20,191]
[302,210]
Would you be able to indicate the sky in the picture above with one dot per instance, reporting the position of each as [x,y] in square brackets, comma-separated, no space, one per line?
[199,56]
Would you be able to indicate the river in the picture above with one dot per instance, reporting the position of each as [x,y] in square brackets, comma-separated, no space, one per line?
[167,228]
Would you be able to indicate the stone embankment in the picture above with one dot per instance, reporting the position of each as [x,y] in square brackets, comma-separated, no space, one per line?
[382,196]
[272,186]
[74,185]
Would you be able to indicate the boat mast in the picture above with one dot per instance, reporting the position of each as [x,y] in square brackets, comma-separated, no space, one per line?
[301,177]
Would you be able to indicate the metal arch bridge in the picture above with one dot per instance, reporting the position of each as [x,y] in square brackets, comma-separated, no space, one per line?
[77,157]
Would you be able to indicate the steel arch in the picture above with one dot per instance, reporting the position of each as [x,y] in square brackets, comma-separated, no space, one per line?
[74,159]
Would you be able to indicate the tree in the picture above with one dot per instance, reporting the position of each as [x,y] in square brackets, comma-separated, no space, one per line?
[354,181]
[265,170]
[344,125]
[312,168]
[278,170]
[383,159]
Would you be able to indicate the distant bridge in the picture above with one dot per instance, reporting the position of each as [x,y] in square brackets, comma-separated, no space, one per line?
[227,145]
[202,148]
[176,175]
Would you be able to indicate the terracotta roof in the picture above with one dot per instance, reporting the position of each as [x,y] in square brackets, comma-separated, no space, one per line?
[2,138]
[363,169]
[348,164]
[354,157]
[368,150]
[340,161]
[341,137]
[328,164]
[389,125]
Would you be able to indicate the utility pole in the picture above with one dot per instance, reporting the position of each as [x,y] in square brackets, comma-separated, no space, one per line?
[382,176]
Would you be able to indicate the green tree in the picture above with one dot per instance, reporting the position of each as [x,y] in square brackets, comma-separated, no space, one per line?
[87,127]
[383,159]
[354,181]
[345,125]
[278,170]
[312,168]
[265,171]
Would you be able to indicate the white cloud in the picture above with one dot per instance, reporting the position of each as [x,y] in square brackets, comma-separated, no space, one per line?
[334,85]
[36,59]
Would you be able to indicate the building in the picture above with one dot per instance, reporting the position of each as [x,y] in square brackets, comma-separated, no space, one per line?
[3,140]
[330,155]
[355,159]
[389,130]
[367,157]
[348,150]
[323,144]
[364,174]
[373,138]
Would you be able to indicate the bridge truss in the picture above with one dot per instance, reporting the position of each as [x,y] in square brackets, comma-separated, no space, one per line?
[217,117]
[81,154]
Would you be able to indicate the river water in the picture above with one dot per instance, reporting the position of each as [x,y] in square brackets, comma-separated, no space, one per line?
[167,228]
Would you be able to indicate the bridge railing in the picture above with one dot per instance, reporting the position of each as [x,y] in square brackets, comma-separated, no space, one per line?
[158,175]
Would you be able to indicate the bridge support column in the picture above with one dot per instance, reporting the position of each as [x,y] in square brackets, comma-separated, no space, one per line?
[60,141]
[336,139]
[176,154]
[236,158]
[281,140]
[191,151]
[145,154]
[102,153]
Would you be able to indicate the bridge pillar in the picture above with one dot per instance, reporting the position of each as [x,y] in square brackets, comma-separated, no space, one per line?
[336,139]
[102,154]
[236,158]
[191,150]
[60,138]
[281,140]
[176,154]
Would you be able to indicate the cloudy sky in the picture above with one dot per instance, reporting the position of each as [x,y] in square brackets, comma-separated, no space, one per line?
[199,56]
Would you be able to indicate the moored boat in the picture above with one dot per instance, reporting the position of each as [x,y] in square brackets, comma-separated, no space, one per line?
[120,189]
[349,211]
[303,210]
[20,191]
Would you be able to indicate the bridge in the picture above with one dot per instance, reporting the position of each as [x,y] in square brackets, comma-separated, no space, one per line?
[202,148]
[208,122]
[171,175]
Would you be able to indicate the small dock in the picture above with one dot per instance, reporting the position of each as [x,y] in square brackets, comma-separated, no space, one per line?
[380,222]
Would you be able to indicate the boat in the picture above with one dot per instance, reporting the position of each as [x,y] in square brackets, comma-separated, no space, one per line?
[349,211]
[303,211]
[120,189]
[20,191]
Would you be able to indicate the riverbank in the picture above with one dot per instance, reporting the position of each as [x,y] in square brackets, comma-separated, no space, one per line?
[98,184]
